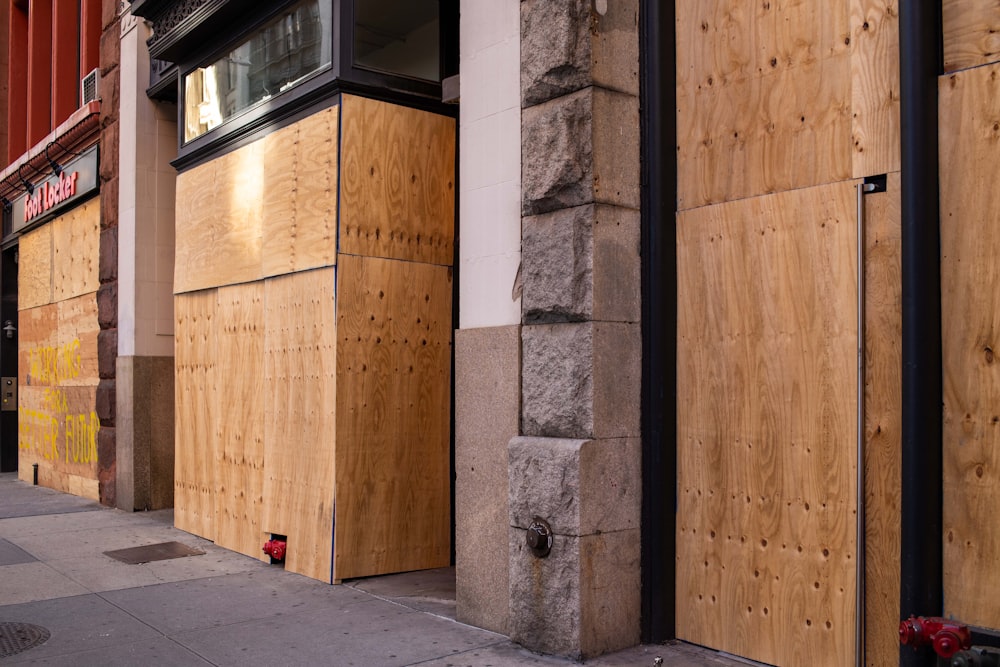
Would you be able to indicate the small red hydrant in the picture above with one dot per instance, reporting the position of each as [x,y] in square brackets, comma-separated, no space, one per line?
[276,549]
[946,636]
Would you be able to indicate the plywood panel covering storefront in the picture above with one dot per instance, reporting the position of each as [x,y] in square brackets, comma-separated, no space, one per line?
[766,419]
[57,352]
[278,428]
[970,271]
[776,96]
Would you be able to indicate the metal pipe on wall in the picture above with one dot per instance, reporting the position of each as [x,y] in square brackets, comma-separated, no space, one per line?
[921,501]
[860,537]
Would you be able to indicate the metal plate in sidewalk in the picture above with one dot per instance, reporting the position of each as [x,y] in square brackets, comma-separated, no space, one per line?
[152,552]
[18,637]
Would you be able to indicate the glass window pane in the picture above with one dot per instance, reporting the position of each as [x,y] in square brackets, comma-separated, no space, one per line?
[278,56]
[398,37]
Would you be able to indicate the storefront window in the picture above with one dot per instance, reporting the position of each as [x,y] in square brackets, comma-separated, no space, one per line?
[283,53]
[399,37]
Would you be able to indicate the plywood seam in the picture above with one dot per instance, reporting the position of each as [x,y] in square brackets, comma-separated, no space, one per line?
[396,259]
[853,180]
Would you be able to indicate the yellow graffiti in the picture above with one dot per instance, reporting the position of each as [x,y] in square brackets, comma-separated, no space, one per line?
[39,431]
[54,365]
[81,438]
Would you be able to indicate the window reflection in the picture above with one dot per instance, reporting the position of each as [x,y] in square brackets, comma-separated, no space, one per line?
[278,56]
[398,37]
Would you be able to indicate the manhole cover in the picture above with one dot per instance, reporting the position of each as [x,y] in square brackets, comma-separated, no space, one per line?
[151,552]
[18,637]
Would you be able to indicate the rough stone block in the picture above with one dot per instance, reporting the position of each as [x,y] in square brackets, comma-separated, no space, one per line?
[555,49]
[580,487]
[579,149]
[109,205]
[108,265]
[487,411]
[107,305]
[581,380]
[582,600]
[617,265]
[566,46]
[557,385]
[616,145]
[557,253]
[105,402]
[581,263]
[109,157]
[107,353]
[557,166]
[618,377]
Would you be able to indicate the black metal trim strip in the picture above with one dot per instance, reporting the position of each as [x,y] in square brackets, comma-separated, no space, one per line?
[920,35]
[657,72]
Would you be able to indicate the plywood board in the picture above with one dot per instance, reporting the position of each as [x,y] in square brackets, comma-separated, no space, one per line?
[57,428]
[397,182]
[970,270]
[195,360]
[766,386]
[238,414]
[266,209]
[219,222]
[300,195]
[57,381]
[76,251]
[883,423]
[971,33]
[299,420]
[393,393]
[34,268]
[76,340]
[874,87]
[763,98]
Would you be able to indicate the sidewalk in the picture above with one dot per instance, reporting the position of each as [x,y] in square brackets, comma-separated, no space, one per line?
[222,608]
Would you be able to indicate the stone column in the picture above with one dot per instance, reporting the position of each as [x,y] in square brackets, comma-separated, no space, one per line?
[577,462]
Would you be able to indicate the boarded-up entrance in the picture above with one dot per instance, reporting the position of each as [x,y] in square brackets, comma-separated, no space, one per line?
[767,379]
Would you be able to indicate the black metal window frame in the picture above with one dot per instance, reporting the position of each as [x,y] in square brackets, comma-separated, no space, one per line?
[219,25]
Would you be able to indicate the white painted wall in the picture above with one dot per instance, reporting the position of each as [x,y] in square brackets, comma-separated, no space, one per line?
[146,184]
[490,163]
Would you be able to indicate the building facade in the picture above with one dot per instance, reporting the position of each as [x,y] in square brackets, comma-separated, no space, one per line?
[672,321]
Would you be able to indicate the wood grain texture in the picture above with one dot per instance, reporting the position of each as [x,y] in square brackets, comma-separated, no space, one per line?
[34,268]
[971,33]
[195,368]
[238,417]
[766,388]
[393,370]
[874,87]
[970,270]
[300,195]
[266,209]
[883,423]
[299,419]
[397,182]
[763,98]
[76,250]
[76,337]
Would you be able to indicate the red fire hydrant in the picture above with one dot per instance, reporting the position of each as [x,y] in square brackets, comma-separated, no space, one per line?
[276,549]
[947,637]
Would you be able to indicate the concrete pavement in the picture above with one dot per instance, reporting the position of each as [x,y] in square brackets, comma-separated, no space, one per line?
[223,608]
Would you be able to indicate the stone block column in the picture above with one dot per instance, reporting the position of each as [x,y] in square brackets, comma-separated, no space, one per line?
[577,462]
